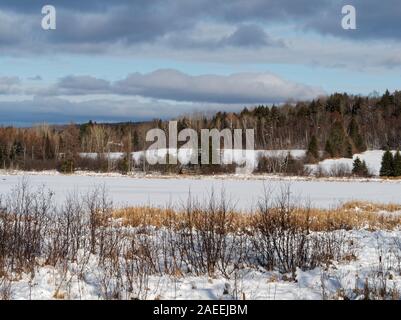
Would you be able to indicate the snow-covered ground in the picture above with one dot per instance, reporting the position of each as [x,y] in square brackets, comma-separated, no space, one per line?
[245,193]
[247,160]
[250,158]
[374,258]
[184,155]
[341,279]
[373,160]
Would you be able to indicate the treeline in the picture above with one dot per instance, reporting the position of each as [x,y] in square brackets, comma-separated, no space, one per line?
[58,147]
[339,125]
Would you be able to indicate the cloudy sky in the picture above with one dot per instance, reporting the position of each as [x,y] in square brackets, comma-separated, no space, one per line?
[133,60]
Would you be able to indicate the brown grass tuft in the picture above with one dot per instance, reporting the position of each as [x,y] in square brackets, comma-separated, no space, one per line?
[351,215]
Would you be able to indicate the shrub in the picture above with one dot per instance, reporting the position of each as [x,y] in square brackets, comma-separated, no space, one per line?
[67,166]
[282,239]
[268,164]
[340,170]
[360,168]
[387,165]
[282,165]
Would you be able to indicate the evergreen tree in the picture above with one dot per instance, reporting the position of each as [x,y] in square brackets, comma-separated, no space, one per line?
[360,168]
[355,136]
[338,144]
[356,167]
[328,149]
[313,150]
[336,102]
[387,165]
[387,99]
[397,164]
[18,150]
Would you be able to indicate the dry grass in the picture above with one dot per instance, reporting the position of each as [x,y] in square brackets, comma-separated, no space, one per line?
[351,215]
[158,217]
[371,207]
[59,295]
[138,216]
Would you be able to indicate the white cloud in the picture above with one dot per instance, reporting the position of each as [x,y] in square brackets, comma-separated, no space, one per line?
[236,88]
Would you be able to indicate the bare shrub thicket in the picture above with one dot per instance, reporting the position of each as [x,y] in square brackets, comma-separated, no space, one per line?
[287,165]
[283,240]
[209,239]
[85,238]
[24,223]
[340,170]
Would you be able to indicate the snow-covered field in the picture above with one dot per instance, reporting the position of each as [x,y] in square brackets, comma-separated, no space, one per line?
[245,193]
[372,263]
[372,158]
[375,257]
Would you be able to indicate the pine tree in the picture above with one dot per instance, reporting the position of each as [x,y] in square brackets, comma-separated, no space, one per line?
[387,99]
[397,164]
[355,136]
[329,149]
[360,168]
[356,167]
[338,144]
[313,150]
[387,165]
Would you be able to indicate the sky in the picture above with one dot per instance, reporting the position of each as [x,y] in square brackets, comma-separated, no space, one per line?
[134,60]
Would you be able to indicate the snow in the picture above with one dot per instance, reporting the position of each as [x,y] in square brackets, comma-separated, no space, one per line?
[242,188]
[247,160]
[373,160]
[377,254]
[250,158]
[245,193]
[332,282]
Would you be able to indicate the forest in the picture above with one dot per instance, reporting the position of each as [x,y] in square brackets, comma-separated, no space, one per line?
[338,125]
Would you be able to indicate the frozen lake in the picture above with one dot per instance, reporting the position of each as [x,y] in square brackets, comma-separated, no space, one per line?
[245,193]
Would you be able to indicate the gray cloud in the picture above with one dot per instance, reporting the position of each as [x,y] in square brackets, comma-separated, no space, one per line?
[177,86]
[250,36]
[247,31]
[81,85]
[173,85]
[236,88]
[160,94]
[245,36]
[96,26]
[60,111]
[375,20]
[9,85]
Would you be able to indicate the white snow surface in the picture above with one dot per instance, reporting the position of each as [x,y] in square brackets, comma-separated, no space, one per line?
[242,192]
[250,158]
[340,278]
[372,158]
[243,189]
[247,160]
